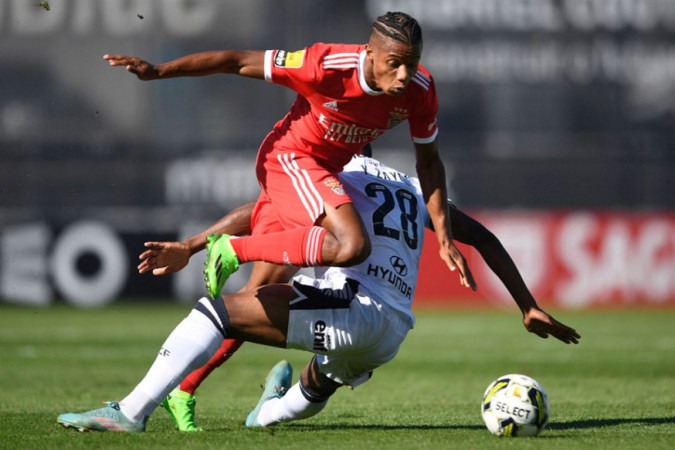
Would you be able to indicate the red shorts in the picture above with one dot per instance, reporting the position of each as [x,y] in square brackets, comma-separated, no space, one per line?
[295,188]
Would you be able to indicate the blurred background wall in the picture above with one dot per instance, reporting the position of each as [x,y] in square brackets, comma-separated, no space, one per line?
[556,129]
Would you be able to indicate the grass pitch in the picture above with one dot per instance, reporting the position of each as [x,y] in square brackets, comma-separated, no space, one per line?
[615,390]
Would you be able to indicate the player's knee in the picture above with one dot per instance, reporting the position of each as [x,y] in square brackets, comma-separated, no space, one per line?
[353,250]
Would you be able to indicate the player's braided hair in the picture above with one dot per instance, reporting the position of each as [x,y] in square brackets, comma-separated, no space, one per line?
[399,26]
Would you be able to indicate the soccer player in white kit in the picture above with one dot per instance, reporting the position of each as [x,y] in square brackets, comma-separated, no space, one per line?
[353,319]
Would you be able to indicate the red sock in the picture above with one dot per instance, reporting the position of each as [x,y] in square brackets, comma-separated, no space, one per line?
[299,247]
[225,352]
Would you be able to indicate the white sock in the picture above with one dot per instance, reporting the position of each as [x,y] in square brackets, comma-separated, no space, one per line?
[189,346]
[292,406]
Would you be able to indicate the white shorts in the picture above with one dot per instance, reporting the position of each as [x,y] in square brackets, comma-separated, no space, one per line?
[350,333]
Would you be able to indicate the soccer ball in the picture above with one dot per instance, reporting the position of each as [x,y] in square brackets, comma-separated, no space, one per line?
[515,405]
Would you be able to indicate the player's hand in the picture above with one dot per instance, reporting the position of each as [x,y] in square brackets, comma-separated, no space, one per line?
[540,323]
[142,69]
[164,257]
[455,260]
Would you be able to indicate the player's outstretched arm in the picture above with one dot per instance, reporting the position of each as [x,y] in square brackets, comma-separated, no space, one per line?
[471,232]
[169,257]
[248,63]
[431,173]
[468,230]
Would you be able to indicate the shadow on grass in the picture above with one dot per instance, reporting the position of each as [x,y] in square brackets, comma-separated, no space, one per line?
[555,426]
[381,427]
[600,423]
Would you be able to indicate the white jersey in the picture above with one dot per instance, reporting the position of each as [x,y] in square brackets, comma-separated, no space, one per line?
[393,210]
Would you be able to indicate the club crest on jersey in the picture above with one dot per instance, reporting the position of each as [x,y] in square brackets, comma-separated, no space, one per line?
[397,116]
[335,185]
[289,60]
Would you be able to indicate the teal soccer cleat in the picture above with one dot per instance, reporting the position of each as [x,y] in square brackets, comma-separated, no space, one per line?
[221,262]
[277,383]
[108,418]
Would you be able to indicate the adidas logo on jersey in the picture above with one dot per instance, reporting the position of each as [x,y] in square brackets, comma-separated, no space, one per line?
[331,105]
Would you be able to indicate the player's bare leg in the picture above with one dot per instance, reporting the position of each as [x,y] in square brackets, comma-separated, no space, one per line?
[339,239]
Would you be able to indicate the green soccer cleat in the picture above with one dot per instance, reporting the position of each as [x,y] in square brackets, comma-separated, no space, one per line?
[108,418]
[221,262]
[277,383]
[181,407]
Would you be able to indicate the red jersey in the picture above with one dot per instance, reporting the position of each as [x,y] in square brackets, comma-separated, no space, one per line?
[336,113]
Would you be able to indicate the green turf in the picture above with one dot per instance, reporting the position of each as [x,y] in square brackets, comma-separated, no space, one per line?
[616,390]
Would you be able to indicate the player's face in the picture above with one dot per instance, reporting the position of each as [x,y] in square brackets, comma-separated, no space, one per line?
[392,64]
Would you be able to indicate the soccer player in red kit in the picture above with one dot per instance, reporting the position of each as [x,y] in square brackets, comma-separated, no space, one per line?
[348,95]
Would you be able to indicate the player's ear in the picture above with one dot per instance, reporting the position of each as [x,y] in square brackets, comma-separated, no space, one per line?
[369,52]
